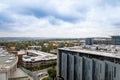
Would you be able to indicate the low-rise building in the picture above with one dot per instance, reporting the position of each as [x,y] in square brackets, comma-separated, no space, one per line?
[8,67]
[34,47]
[35,58]
[114,40]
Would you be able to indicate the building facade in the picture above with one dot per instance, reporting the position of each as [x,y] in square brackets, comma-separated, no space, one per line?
[116,40]
[79,64]
[89,41]
[35,58]
[8,67]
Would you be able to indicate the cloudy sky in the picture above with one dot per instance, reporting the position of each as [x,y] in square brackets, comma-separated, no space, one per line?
[59,18]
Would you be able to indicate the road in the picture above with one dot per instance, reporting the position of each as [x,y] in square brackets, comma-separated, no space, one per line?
[41,73]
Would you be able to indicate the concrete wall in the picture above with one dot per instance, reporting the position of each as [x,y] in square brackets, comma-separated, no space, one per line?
[75,67]
[3,76]
[98,70]
[87,69]
[64,66]
[78,68]
[112,71]
[70,67]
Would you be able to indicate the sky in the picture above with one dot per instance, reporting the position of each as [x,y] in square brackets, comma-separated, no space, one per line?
[59,18]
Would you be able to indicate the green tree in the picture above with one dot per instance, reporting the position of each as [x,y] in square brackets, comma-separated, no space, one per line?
[52,73]
[62,45]
[46,78]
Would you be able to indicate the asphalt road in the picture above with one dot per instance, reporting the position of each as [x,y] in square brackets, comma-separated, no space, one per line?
[41,73]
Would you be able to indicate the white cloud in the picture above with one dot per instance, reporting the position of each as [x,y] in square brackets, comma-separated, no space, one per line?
[92,18]
[3,7]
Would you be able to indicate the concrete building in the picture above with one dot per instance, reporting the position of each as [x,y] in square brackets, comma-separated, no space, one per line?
[116,40]
[106,41]
[34,47]
[89,41]
[8,67]
[20,56]
[89,63]
[35,58]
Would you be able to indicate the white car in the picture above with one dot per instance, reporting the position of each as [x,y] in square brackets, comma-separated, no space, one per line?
[42,74]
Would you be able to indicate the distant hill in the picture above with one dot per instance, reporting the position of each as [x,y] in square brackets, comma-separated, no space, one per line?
[19,38]
[34,38]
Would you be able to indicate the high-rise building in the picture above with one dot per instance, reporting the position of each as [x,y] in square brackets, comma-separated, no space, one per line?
[89,63]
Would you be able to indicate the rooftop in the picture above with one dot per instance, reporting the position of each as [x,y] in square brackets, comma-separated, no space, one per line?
[101,50]
[18,74]
[40,56]
[6,60]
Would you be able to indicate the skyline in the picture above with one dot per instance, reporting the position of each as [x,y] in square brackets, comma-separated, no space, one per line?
[61,19]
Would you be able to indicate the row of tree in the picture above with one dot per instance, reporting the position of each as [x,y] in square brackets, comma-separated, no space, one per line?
[41,66]
[45,48]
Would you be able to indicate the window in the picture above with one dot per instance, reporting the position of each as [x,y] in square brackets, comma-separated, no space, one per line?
[114,71]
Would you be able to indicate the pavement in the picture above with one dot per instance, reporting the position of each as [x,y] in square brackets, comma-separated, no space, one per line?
[20,74]
[41,73]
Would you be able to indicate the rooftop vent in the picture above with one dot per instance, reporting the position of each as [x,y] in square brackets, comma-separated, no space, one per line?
[8,61]
[2,55]
[11,58]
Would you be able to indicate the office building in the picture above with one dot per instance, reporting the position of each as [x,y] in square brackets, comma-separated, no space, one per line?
[89,41]
[89,63]
[116,40]
[35,58]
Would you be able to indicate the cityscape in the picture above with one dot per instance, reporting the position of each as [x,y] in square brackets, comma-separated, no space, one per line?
[60,40]
[62,59]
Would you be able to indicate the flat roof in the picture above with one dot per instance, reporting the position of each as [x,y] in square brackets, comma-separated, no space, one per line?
[18,74]
[7,60]
[92,52]
[40,56]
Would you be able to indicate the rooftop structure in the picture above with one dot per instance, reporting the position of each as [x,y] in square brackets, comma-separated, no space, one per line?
[21,52]
[102,50]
